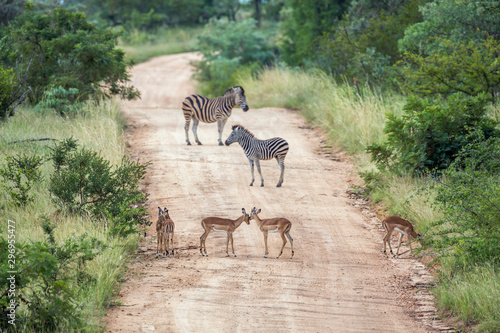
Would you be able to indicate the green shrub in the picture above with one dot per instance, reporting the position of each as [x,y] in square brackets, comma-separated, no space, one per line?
[227,48]
[427,137]
[45,272]
[85,183]
[20,173]
[65,50]
[469,195]
[62,100]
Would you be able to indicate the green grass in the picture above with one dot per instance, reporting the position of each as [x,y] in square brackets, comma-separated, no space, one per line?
[98,127]
[473,296]
[141,46]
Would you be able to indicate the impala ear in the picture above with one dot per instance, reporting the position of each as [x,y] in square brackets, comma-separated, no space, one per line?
[159,211]
[258,212]
[243,211]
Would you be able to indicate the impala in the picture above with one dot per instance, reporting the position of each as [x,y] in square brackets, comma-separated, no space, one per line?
[168,232]
[159,232]
[277,224]
[404,227]
[221,224]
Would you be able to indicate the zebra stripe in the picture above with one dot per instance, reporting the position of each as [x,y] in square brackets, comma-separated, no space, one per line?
[210,110]
[257,150]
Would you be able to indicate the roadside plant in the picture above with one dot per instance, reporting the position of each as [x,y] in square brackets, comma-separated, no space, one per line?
[20,173]
[85,183]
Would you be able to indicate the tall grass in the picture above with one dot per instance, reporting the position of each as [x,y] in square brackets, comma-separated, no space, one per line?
[140,45]
[98,127]
[473,296]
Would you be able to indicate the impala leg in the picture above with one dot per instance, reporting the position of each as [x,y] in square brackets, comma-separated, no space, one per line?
[232,244]
[220,126]
[281,163]
[195,128]
[172,242]
[291,243]
[387,238]
[202,241]
[400,240]
[227,244]
[283,246]
[257,162]
[205,242]
[265,244]
[186,128]
[167,238]
[251,169]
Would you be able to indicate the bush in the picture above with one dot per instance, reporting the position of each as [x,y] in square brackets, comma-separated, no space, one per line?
[427,137]
[20,173]
[227,47]
[62,100]
[469,195]
[45,273]
[83,182]
[65,50]
[12,92]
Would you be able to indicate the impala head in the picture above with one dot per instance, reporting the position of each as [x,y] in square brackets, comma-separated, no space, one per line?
[239,95]
[247,218]
[254,212]
[235,134]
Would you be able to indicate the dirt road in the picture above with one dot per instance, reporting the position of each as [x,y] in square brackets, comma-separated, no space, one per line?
[338,280]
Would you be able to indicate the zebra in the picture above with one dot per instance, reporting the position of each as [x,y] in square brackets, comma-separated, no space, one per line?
[257,150]
[210,110]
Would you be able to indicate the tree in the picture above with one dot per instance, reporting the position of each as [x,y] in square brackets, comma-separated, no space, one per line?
[304,21]
[65,50]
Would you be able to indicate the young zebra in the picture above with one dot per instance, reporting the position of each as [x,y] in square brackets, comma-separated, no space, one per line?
[210,110]
[257,150]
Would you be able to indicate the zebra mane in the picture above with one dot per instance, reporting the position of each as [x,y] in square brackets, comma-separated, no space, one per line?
[242,128]
[230,90]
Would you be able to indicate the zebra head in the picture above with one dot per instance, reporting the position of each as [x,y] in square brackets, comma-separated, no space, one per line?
[239,93]
[235,134]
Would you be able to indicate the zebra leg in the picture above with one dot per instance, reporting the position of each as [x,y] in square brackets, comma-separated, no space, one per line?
[220,126]
[281,163]
[195,127]
[257,161]
[186,127]
[251,169]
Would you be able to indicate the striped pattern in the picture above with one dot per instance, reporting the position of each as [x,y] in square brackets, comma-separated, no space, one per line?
[257,150]
[211,110]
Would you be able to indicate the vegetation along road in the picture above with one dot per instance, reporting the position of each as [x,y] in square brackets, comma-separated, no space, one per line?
[338,279]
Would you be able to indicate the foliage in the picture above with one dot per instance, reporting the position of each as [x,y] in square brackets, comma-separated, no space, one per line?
[364,44]
[44,275]
[84,182]
[473,295]
[427,137]
[460,21]
[469,195]
[10,9]
[228,46]
[20,173]
[62,100]
[13,91]
[468,67]
[65,50]
[303,22]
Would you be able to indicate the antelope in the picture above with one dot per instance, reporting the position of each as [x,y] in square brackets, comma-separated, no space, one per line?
[159,232]
[168,232]
[221,224]
[277,224]
[404,227]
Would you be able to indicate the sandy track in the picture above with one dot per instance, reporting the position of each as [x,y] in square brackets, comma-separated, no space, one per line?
[338,280]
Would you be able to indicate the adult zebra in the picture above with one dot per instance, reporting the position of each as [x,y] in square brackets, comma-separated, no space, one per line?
[257,150]
[210,110]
